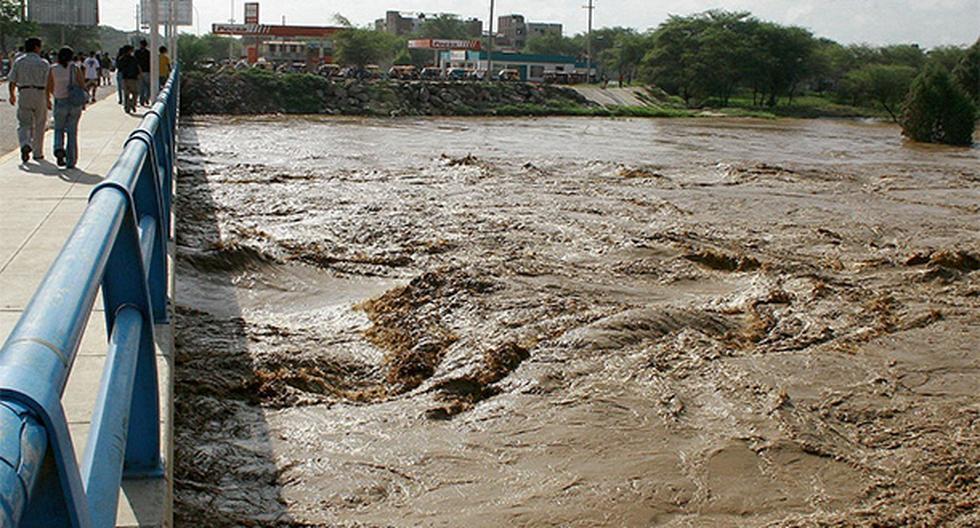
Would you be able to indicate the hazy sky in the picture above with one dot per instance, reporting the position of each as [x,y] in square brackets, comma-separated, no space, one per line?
[927,22]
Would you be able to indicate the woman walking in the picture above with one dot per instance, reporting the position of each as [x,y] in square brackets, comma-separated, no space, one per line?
[63,76]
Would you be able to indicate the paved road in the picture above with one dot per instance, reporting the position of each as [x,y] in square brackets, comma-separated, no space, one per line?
[8,117]
[610,96]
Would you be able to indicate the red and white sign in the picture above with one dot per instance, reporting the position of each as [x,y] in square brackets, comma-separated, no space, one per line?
[257,30]
[251,12]
[444,44]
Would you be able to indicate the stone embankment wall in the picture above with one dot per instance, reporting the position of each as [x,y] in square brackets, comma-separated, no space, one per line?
[259,92]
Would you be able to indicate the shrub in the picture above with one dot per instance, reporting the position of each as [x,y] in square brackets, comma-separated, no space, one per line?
[936,110]
[967,72]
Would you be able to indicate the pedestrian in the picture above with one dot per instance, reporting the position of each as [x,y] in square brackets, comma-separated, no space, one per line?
[164,66]
[129,69]
[120,92]
[92,75]
[105,68]
[28,79]
[67,113]
[143,59]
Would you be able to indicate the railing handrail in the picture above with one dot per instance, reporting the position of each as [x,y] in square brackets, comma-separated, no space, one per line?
[120,244]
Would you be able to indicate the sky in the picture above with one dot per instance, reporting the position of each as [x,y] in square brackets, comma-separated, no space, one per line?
[926,22]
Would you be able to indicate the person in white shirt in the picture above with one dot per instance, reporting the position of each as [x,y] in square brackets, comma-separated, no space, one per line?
[92,66]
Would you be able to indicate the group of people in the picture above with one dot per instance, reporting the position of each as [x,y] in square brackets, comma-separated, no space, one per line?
[133,75]
[66,83]
[33,82]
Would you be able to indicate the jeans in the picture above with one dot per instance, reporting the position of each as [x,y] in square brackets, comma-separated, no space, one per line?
[119,85]
[66,119]
[144,88]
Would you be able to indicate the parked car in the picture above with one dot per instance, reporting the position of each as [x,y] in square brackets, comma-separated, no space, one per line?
[329,70]
[405,73]
[509,75]
[371,71]
[456,74]
[431,74]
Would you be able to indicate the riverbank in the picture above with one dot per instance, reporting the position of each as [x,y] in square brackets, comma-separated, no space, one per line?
[256,92]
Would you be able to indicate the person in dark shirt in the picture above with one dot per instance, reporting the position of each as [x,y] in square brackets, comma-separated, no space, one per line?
[129,70]
[143,58]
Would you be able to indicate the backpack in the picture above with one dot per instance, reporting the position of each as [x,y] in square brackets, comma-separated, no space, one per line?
[77,96]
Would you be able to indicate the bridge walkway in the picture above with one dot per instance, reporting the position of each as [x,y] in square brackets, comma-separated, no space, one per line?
[39,207]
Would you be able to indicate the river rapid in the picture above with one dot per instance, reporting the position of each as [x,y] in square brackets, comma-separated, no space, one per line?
[575,322]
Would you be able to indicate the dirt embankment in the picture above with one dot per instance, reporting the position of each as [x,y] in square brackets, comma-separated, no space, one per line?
[557,334]
[256,92]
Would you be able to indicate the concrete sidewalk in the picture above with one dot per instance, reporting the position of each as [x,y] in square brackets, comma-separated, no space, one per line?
[39,207]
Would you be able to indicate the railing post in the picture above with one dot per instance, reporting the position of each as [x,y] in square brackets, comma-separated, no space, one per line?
[148,201]
[125,284]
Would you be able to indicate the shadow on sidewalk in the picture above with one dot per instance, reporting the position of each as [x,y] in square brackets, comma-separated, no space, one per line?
[75,175]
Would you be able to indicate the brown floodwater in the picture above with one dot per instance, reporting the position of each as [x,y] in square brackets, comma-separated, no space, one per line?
[575,322]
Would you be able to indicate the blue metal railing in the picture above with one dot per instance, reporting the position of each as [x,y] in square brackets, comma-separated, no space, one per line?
[119,244]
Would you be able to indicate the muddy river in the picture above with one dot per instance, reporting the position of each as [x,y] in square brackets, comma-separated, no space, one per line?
[575,322]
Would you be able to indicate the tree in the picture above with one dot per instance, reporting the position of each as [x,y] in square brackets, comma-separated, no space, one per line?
[195,51]
[885,85]
[360,47]
[967,73]
[552,44]
[947,56]
[673,62]
[13,26]
[445,27]
[625,55]
[937,110]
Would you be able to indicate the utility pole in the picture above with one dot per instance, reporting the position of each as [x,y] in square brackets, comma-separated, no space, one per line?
[490,46]
[154,50]
[588,44]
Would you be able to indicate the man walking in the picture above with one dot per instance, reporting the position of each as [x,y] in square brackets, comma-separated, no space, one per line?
[143,58]
[129,71]
[92,76]
[28,81]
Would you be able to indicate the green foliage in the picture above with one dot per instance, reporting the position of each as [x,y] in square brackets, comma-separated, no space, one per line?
[937,110]
[80,38]
[967,73]
[445,27]
[881,84]
[13,28]
[946,56]
[195,51]
[360,47]
[552,44]
[714,53]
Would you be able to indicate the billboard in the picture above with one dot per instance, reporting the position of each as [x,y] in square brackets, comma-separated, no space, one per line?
[184,13]
[69,12]
[251,12]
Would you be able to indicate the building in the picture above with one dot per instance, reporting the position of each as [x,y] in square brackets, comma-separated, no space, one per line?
[283,44]
[398,23]
[513,31]
[533,68]
[540,29]
[66,12]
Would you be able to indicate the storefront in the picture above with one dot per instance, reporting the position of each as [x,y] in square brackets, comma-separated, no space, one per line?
[533,68]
